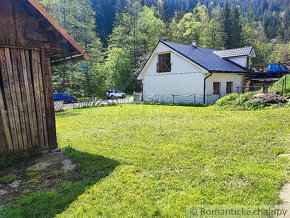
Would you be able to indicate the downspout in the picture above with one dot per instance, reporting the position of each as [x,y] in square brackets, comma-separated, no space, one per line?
[142,99]
[204,86]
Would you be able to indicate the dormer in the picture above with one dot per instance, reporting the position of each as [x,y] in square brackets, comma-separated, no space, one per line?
[240,56]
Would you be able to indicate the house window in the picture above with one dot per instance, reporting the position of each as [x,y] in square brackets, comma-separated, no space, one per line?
[216,88]
[164,63]
[229,87]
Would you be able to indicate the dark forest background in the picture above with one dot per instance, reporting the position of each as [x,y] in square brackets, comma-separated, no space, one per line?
[119,35]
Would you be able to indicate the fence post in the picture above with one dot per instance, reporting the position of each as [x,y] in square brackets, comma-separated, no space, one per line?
[286,82]
[173,99]
[283,82]
[194,98]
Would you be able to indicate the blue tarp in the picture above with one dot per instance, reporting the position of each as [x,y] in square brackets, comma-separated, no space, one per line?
[274,68]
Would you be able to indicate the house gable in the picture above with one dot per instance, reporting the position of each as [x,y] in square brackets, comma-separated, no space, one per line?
[240,56]
[243,60]
[179,63]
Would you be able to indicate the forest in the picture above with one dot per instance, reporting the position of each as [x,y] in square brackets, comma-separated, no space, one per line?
[119,35]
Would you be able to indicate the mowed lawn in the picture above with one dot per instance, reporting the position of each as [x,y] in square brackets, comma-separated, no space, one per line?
[149,160]
[171,157]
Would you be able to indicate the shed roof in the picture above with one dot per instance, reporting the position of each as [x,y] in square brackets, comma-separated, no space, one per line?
[205,58]
[236,52]
[71,49]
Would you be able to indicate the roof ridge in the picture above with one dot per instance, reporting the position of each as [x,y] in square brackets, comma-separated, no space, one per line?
[177,43]
[234,48]
[206,58]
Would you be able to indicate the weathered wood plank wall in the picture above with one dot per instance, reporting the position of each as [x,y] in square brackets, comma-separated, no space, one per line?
[18,28]
[26,97]
[26,103]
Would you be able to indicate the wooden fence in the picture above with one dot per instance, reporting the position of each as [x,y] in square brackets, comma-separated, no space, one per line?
[58,106]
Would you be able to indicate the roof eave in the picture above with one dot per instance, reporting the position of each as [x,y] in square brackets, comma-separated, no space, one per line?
[222,71]
[183,55]
[44,13]
[72,59]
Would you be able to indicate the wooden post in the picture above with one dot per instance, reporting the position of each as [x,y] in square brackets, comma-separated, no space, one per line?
[49,103]
[286,82]
[264,91]
[283,86]
[38,101]
[41,93]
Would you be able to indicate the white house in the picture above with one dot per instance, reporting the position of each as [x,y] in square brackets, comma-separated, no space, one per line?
[179,73]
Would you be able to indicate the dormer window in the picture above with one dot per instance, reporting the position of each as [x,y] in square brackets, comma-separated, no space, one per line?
[164,63]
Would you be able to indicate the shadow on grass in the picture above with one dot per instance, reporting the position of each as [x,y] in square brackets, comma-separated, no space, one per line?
[90,169]
[65,113]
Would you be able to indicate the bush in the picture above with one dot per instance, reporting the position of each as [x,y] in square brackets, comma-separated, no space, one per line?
[253,104]
[240,102]
[8,178]
[228,100]
[243,98]
[276,88]
[11,158]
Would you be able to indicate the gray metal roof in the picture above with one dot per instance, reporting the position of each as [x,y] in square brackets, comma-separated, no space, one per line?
[236,52]
[205,58]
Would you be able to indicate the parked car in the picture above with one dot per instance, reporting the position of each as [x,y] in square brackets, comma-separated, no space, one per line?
[115,94]
[64,97]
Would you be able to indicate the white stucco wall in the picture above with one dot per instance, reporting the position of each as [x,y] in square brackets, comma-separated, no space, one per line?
[223,78]
[242,61]
[179,63]
[185,82]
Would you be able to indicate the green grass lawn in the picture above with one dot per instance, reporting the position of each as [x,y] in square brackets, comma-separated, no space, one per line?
[148,160]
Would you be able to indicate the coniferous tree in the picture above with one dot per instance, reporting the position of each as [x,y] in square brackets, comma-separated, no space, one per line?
[286,26]
[272,25]
[236,29]
[77,17]
[212,36]
[134,30]
[165,14]
[178,13]
[227,25]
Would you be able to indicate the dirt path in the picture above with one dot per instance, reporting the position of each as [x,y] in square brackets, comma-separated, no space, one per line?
[40,173]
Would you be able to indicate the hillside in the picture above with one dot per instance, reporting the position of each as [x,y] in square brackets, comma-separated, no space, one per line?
[119,35]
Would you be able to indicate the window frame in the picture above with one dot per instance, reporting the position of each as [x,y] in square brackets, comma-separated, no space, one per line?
[219,88]
[231,87]
[164,66]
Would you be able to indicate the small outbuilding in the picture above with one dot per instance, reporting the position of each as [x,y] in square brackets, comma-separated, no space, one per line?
[30,41]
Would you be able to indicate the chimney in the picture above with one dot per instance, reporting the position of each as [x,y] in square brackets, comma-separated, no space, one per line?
[194,43]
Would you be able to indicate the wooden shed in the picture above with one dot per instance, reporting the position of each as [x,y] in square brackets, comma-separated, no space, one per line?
[30,41]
